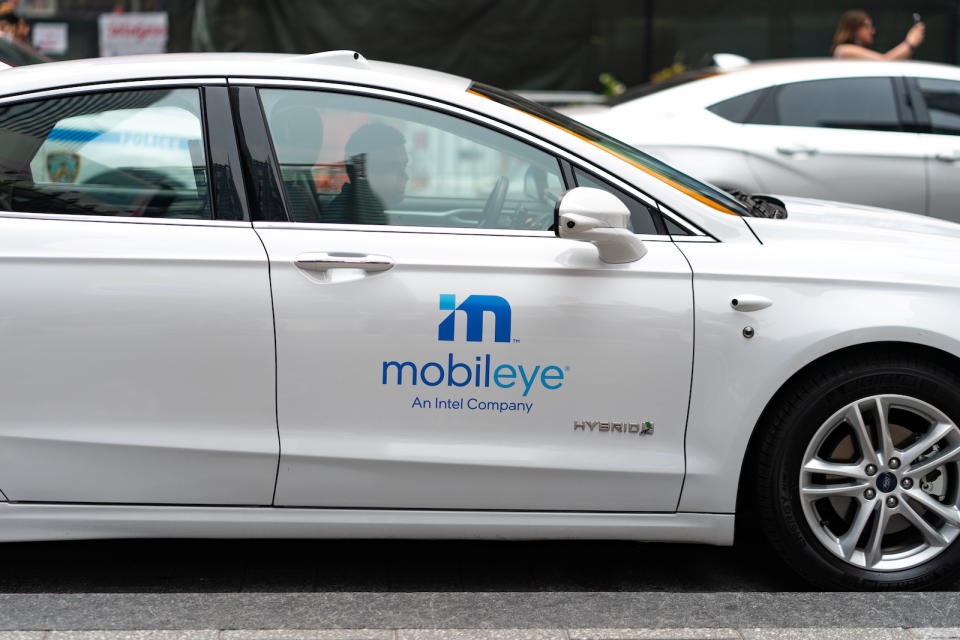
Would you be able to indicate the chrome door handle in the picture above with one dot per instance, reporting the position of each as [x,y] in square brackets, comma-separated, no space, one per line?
[948,157]
[797,149]
[749,302]
[325,261]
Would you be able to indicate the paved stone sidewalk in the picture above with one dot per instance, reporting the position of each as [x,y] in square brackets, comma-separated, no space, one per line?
[501,634]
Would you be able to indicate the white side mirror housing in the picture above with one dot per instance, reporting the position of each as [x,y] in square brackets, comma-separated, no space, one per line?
[598,217]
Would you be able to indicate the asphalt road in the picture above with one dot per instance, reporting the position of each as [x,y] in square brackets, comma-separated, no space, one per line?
[397,584]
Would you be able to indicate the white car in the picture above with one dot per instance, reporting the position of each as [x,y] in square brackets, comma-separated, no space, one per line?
[315,296]
[872,132]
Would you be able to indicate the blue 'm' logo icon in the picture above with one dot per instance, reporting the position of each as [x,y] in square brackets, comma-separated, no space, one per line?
[474,307]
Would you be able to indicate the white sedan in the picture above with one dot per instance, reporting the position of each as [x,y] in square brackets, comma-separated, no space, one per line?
[280,296]
[878,133]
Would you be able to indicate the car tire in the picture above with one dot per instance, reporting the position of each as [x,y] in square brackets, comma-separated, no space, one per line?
[845,518]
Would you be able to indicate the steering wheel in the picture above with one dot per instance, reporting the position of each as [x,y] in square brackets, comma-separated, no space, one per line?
[493,207]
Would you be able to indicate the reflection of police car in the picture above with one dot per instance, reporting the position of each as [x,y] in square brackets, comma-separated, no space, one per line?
[122,153]
[257,295]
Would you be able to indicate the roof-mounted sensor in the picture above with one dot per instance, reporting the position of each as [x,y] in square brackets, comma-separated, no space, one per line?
[341,58]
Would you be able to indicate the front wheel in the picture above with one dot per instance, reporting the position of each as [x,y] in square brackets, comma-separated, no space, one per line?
[858,475]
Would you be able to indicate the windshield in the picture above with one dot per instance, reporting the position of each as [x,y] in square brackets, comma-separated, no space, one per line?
[710,196]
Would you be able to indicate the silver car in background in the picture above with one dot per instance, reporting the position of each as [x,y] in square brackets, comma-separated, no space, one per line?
[885,134]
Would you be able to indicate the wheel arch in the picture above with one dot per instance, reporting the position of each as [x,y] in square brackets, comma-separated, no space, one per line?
[744,512]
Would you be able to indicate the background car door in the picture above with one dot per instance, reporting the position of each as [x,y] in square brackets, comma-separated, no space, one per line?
[939,103]
[457,355]
[837,139]
[137,333]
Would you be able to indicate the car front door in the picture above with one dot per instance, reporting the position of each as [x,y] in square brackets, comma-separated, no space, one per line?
[137,340]
[438,347]
[837,139]
[938,101]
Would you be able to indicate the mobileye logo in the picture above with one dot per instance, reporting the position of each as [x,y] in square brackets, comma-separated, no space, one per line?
[481,370]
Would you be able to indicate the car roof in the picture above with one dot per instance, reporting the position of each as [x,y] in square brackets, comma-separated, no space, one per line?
[843,67]
[724,84]
[332,66]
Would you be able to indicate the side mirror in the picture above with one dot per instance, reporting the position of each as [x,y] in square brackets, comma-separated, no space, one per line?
[593,215]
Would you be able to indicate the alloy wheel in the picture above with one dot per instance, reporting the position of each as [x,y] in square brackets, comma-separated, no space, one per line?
[880,483]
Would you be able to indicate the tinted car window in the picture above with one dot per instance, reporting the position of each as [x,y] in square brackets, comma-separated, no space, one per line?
[359,160]
[130,153]
[942,98]
[847,103]
[641,217]
[738,108]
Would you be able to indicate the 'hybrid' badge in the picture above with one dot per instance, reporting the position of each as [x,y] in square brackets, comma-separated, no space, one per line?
[632,428]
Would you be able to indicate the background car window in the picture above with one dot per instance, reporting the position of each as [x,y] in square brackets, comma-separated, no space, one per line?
[846,103]
[738,108]
[130,153]
[641,216]
[358,160]
[943,103]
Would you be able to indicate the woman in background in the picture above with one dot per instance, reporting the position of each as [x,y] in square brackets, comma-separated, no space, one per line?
[855,36]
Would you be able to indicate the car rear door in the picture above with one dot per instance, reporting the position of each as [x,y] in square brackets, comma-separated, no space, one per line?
[137,341]
[458,355]
[837,139]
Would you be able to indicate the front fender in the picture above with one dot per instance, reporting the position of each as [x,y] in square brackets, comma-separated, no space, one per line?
[814,313]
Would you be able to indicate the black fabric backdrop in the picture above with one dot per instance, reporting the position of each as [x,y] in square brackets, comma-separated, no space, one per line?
[551,44]
[530,43]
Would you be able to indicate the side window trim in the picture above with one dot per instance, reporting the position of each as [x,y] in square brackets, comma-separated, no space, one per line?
[919,103]
[83,89]
[261,172]
[906,105]
[695,232]
[566,170]
[228,192]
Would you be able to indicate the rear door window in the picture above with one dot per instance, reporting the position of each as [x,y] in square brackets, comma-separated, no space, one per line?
[842,103]
[125,153]
[942,99]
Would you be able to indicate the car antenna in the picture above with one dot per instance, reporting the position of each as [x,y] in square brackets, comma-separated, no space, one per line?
[342,58]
